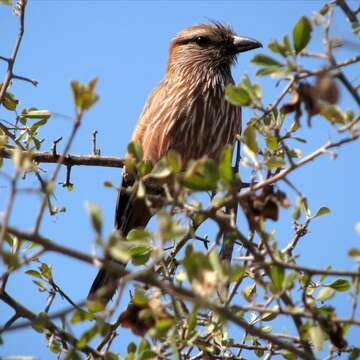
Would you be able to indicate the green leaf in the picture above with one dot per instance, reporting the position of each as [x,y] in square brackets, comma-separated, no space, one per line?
[301,34]
[225,168]
[289,281]
[236,272]
[95,215]
[274,162]
[265,60]
[131,348]
[72,355]
[340,285]
[135,149]
[6,2]
[111,356]
[144,345]
[174,160]
[87,336]
[325,293]
[33,273]
[139,255]
[269,316]
[249,293]
[41,322]
[355,354]
[324,276]
[161,170]
[10,102]
[277,48]
[272,143]
[84,95]
[140,297]
[46,271]
[277,276]
[322,211]
[95,306]
[162,326]
[54,345]
[355,253]
[139,234]
[267,70]
[81,315]
[317,337]
[192,319]
[33,113]
[266,329]
[288,355]
[332,113]
[237,95]
[41,285]
[202,175]
[215,262]
[249,137]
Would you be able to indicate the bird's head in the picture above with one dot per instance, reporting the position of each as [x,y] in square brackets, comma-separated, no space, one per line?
[210,45]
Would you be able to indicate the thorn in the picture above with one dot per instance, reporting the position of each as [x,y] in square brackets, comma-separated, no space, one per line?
[53,147]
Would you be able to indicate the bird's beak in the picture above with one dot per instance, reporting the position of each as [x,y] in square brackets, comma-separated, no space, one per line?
[242,44]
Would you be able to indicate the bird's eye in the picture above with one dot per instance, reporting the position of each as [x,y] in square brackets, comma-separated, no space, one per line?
[202,40]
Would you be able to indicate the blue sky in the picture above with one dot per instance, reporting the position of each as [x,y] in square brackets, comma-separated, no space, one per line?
[125,45]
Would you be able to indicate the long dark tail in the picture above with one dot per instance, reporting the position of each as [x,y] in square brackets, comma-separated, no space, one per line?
[131,212]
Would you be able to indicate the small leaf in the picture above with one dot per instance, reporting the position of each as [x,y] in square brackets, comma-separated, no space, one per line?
[355,354]
[163,326]
[274,162]
[35,114]
[135,149]
[277,276]
[84,95]
[322,211]
[225,169]
[265,60]
[216,264]
[161,170]
[267,70]
[290,280]
[139,234]
[174,161]
[272,143]
[95,215]
[249,293]
[46,271]
[324,276]
[72,355]
[140,298]
[192,319]
[81,315]
[10,102]
[332,113]
[325,293]
[301,34]
[237,95]
[249,136]
[33,273]
[87,336]
[355,253]
[340,285]
[317,337]
[131,348]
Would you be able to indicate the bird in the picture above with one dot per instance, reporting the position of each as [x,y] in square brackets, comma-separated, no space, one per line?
[186,112]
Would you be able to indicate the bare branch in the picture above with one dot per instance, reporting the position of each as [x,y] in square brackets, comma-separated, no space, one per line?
[72,160]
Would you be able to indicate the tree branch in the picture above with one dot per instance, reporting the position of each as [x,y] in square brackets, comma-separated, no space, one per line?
[68,160]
